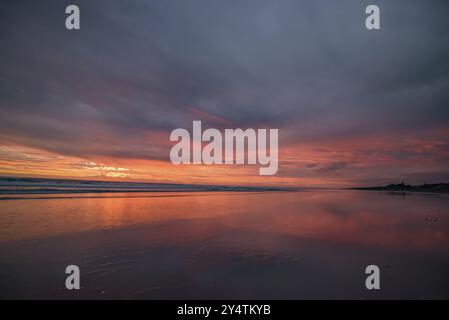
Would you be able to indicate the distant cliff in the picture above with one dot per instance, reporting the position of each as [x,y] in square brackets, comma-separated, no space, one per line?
[427,187]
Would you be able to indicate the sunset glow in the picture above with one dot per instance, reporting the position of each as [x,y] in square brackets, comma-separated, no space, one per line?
[75,107]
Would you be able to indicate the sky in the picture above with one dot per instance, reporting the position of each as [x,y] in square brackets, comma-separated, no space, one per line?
[353,107]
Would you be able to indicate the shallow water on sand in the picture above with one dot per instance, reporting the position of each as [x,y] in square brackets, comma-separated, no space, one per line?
[294,245]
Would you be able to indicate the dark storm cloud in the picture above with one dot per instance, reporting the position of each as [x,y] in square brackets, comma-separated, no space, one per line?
[137,69]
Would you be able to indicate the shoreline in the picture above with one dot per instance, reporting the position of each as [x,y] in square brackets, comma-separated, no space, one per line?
[11,186]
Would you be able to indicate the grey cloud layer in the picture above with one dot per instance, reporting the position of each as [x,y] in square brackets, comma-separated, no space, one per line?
[136,67]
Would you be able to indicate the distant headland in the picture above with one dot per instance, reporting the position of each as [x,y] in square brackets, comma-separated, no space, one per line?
[402,187]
